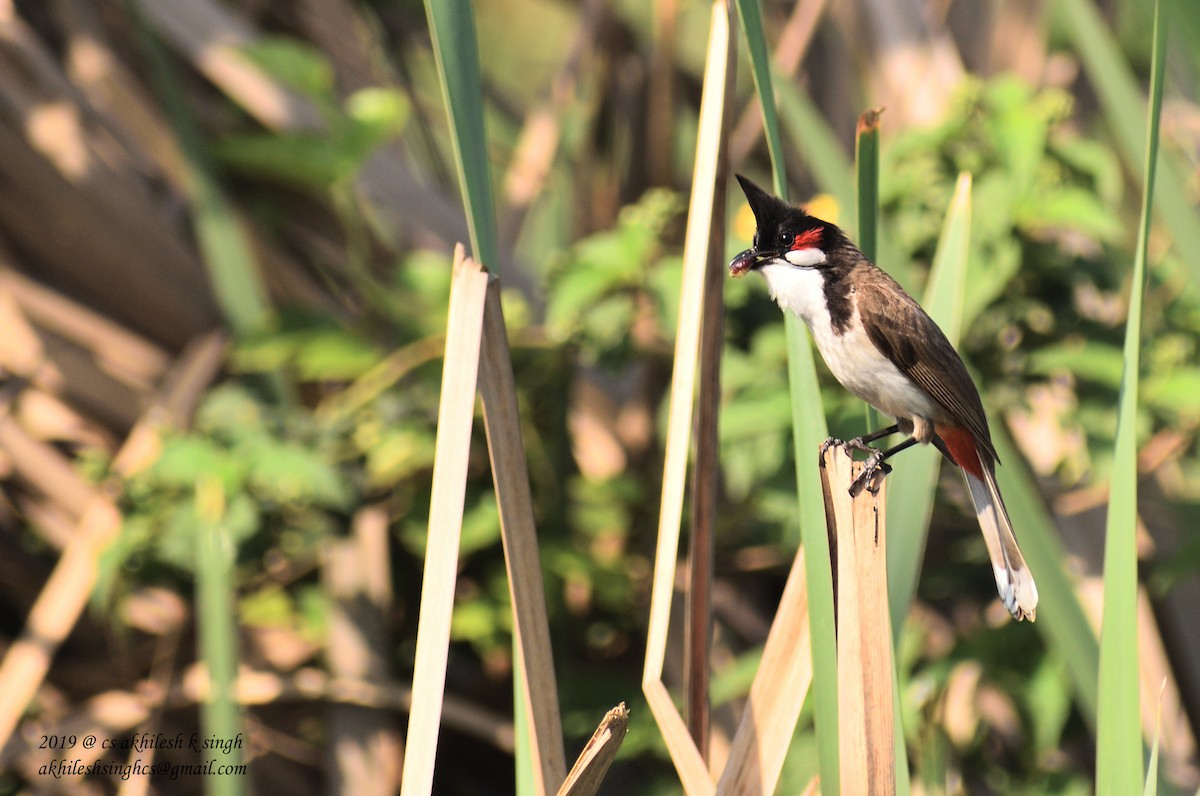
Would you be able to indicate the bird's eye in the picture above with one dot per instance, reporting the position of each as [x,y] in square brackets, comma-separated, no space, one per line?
[785,238]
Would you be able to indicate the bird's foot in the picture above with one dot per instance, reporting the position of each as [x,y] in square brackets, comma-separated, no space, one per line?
[874,467]
[873,472]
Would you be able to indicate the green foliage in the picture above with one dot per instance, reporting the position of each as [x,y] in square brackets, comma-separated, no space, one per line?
[312,347]
[279,475]
[609,282]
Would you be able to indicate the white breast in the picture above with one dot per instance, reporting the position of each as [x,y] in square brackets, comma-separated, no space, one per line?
[851,356]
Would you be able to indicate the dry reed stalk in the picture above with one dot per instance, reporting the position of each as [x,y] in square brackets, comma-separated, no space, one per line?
[478,357]
[588,772]
[866,724]
[687,340]
[65,594]
[456,414]
[535,661]
[21,350]
[776,697]
[55,612]
[705,482]
[693,773]
[95,371]
[689,762]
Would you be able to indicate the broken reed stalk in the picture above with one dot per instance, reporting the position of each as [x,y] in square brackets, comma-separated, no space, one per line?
[866,719]
[456,413]
[518,533]
[478,357]
[588,772]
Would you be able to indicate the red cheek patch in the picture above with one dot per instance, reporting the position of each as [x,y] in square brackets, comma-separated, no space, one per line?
[807,240]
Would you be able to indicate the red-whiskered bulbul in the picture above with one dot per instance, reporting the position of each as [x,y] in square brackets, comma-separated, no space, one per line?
[880,344]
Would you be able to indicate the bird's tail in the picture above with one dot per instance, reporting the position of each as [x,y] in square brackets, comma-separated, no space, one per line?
[1013,579]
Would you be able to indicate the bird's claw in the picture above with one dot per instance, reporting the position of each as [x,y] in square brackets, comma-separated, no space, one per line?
[872,475]
[832,442]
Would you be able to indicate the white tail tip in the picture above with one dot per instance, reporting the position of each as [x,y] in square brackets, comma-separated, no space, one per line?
[1018,592]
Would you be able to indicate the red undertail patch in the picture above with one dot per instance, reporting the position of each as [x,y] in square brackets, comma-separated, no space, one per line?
[962,449]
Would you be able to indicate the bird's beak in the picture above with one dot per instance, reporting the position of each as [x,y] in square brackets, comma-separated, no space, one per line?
[747,261]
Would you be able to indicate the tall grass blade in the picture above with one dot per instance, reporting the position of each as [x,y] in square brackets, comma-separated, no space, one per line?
[456,53]
[914,482]
[1117,89]
[525,776]
[1119,740]
[910,497]
[809,430]
[217,627]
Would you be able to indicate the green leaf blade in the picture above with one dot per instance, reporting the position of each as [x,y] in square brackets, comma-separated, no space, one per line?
[456,52]
[1119,739]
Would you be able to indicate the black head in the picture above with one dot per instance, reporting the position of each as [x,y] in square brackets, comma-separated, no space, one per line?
[784,234]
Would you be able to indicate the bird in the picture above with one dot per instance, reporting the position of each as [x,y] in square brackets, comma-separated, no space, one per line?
[884,348]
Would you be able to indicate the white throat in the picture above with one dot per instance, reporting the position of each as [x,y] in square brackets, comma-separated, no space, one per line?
[799,290]
[805,258]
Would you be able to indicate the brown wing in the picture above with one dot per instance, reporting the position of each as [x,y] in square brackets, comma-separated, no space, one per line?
[898,329]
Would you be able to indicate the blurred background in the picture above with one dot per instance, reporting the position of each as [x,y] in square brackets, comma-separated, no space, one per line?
[233,221]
